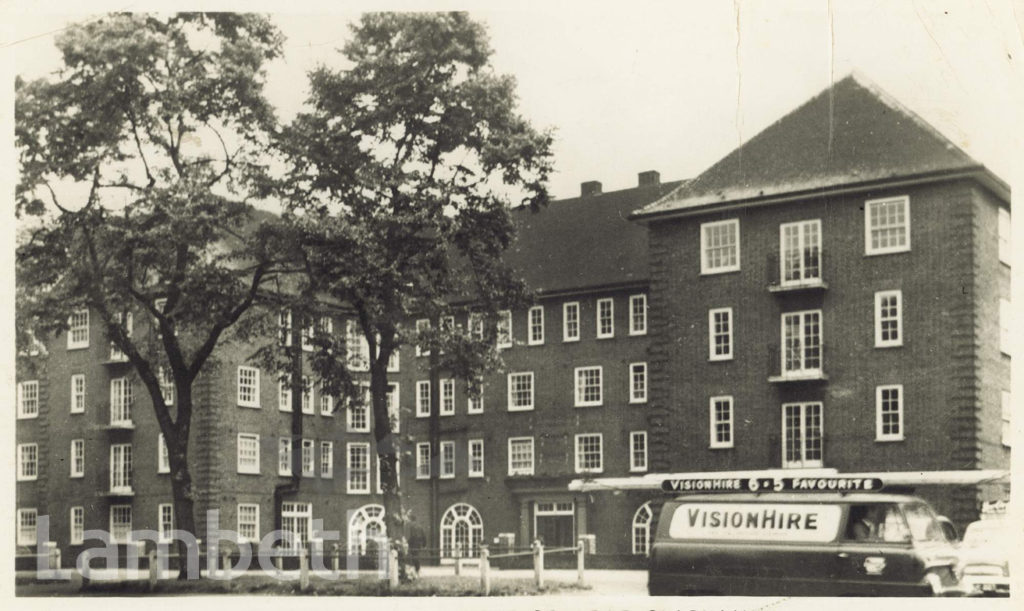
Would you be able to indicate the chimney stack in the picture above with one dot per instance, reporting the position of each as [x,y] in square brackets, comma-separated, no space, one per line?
[649,178]
[591,187]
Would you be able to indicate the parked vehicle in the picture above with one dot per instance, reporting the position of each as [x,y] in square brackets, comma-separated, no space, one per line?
[984,567]
[800,541]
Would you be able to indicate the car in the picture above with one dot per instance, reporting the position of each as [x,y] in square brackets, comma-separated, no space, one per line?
[984,566]
[791,538]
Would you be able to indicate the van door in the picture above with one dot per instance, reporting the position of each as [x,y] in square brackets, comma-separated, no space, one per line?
[876,555]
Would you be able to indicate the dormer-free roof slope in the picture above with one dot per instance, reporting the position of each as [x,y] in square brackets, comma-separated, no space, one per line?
[850,134]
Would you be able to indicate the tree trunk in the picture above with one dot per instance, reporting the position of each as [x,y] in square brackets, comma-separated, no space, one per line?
[184,503]
[388,451]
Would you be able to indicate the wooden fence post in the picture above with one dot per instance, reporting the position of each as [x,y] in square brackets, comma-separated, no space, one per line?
[154,568]
[538,564]
[580,547]
[303,568]
[393,568]
[485,570]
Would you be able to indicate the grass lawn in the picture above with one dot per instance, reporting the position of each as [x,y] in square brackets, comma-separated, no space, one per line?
[264,584]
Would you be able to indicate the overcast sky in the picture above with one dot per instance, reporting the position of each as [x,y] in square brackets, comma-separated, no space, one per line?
[674,86]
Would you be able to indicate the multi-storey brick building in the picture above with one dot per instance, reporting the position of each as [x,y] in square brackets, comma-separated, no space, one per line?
[571,401]
[834,293]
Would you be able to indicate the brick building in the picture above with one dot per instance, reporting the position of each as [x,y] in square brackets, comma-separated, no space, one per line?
[831,294]
[834,293]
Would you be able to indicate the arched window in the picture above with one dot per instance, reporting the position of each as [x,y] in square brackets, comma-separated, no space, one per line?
[642,530]
[462,530]
[366,524]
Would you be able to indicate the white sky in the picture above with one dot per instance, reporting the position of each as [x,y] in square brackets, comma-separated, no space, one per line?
[674,86]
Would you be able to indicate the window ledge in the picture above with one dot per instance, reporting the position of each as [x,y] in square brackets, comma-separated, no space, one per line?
[806,376]
[804,285]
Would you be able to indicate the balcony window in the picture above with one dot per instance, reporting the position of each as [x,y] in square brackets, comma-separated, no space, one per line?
[801,343]
[802,444]
[800,248]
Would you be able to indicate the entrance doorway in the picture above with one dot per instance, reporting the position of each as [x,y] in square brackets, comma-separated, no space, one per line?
[554,524]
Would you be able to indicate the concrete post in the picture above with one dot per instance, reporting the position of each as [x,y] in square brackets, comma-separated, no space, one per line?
[303,568]
[393,568]
[225,563]
[154,568]
[538,564]
[485,570]
[580,548]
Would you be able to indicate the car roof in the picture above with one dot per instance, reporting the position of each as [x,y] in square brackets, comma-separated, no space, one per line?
[824,498]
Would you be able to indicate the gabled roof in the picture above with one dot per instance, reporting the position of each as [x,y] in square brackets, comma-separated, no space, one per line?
[850,134]
[584,242]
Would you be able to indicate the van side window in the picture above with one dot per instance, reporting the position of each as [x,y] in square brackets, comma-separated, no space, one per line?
[876,522]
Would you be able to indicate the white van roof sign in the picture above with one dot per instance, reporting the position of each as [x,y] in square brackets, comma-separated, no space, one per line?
[773,484]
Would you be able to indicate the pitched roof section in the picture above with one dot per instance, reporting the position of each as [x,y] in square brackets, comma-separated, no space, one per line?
[851,133]
[584,242]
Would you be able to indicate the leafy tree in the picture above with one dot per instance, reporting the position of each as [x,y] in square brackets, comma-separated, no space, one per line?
[139,161]
[402,172]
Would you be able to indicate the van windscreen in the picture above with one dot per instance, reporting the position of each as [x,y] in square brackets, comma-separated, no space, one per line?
[756,521]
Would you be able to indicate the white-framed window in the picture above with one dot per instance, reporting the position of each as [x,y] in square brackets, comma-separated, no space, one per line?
[889,413]
[571,321]
[284,394]
[77,531]
[422,326]
[357,348]
[589,386]
[447,328]
[27,519]
[284,327]
[366,524]
[163,459]
[447,397]
[248,453]
[888,319]
[120,318]
[248,386]
[358,412]
[121,401]
[505,329]
[308,407]
[326,403]
[520,391]
[28,399]
[638,451]
[327,459]
[423,460]
[802,442]
[520,456]
[1005,251]
[423,399]
[476,457]
[358,463]
[78,329]
[77,458]
[284,456]
[720,426]
[380,472]
[120,523]
[1005,325]
[642,520]
[462,531]
[476,325]
[801,343]
[589,456]
[720,334]
[166,381]
[78,393]
[887,225]
[800,252]
[446,469]
[535,318]
[28,462]
[248,519]
[394,407]
[638,314]
[1006,409]
[638,382]
[297,523]
[165,520]
[308,458]
[121,467]
[720,246]
[605,318]
[475,404]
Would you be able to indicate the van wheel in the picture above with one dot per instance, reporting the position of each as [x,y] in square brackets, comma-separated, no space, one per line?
[934,579]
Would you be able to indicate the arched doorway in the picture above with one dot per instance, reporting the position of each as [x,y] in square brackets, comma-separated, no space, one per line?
[642,530]
[366,524]
[462,530]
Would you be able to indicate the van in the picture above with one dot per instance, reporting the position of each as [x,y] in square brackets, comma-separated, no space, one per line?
[796,537]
